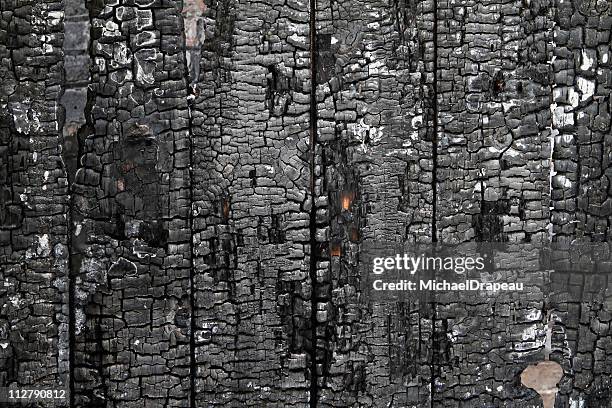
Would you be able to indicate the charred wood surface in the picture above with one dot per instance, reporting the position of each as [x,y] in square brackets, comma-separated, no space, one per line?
[187,189]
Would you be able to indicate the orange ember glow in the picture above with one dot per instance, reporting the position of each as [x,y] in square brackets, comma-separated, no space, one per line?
[347,199]
[336,250]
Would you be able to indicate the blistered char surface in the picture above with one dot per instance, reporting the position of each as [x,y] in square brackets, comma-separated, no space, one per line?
[187,189]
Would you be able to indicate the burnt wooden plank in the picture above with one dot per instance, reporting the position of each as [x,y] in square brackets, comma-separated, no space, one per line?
[493,185]
[581,205]
[375,107]
[33,198]
[131,242]
[252,206]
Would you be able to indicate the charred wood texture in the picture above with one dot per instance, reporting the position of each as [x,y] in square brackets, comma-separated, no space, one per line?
[187,188]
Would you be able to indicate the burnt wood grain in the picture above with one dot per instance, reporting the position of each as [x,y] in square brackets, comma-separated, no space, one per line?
[188,191]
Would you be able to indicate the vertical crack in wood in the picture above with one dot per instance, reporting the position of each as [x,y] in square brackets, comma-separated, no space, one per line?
[192,304]
[75,128]
[434,101]
[434,183]
[313,208]
[72,268]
